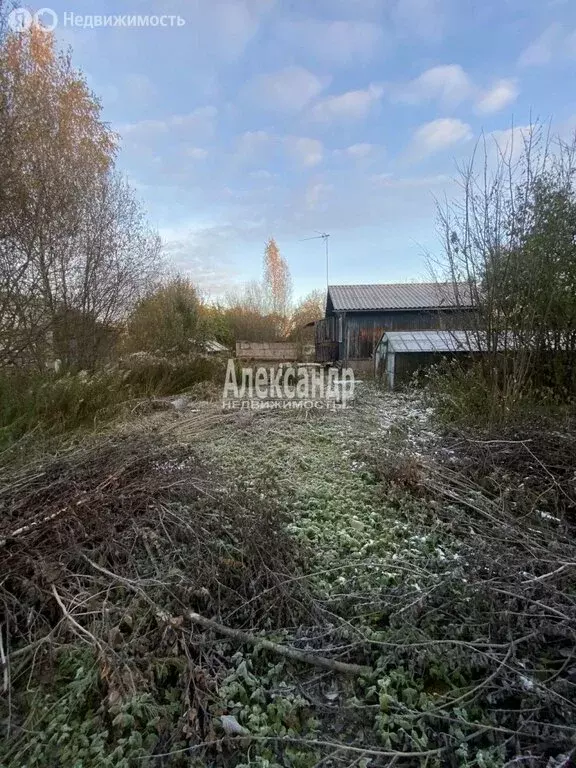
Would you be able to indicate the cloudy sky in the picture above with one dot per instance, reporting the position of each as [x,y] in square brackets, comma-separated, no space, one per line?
[282,117]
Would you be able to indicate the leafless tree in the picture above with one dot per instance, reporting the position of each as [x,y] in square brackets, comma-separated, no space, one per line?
[510,241]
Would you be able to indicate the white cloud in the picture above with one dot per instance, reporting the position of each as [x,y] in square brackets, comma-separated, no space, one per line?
[201,119]
[334,42]
[252,145]
[439,135]
[255,146]
[202,115]
[541,50]
[556,42]
[289,90]
[389,181]
[358,151]
[509,143]
[503,93]
[353,105]
[449,84]
[150,136]
[139,88]
[261,175]
[202,251]
[226,27]
[315,195]
[308,152]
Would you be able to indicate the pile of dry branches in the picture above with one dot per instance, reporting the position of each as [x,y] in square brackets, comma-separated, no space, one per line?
[115,544]
[494,614]
[153,560]
[532,468]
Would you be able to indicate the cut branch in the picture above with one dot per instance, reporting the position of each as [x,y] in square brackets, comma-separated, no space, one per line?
[282,650]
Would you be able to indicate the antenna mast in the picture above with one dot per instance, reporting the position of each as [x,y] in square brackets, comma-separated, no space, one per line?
[324,236]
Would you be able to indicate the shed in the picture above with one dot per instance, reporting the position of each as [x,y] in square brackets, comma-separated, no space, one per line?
[399,354]
[358,315]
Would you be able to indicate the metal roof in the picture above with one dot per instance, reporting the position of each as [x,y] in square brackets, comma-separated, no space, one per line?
[215,347]
[430,341]
[390,296]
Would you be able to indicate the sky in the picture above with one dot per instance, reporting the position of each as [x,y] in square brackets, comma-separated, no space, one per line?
[285,118]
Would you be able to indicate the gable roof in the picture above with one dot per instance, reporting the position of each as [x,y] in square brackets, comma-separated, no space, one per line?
[390,296]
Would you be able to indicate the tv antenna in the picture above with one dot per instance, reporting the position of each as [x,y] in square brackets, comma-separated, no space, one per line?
[322,236]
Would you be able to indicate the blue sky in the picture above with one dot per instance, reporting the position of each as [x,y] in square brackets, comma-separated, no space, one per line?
[282,117]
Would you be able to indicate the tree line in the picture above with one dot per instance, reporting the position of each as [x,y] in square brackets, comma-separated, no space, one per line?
[81,271]
[175,317]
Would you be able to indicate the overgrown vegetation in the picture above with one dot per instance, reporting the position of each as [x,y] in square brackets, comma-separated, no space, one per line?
[53,404]
[75,249]
[455,598]
[462,396]
[82,281]
[186,586]
[139,536]
[510,242]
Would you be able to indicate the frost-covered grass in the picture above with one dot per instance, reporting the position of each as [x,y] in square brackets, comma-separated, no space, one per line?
[360,538]
[399,579]
[356,534]
[421,580]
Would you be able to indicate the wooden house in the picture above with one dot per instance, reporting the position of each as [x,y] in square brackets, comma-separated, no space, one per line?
[358,315]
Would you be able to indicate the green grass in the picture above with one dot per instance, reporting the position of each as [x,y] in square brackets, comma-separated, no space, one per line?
[52,404]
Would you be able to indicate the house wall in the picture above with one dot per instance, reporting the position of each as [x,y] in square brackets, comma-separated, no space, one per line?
[362,366]
[363,330]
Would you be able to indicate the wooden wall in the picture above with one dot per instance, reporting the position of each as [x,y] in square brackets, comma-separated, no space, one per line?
[363,330]
[354,335]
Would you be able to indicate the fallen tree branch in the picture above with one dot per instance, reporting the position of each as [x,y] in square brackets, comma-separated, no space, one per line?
[282,650]
[83,632]
[309,743]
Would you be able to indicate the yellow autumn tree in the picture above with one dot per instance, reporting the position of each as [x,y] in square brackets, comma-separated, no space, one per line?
[74,247]
[277,281]
[56,128]
[261,310]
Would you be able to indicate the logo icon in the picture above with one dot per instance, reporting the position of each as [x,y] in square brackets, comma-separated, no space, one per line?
[46,19]
[20,19]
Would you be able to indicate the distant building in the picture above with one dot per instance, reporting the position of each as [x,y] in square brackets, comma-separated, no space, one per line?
[358,315]
[213,347]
